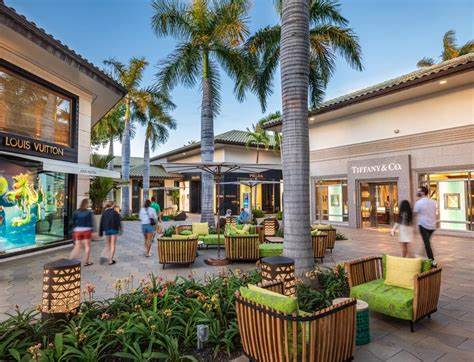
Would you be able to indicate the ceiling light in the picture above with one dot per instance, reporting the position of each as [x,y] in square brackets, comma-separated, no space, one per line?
[444,81]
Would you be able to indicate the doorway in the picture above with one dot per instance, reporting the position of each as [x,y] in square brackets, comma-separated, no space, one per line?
[378,204]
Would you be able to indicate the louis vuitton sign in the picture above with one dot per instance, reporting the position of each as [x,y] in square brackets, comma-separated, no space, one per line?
[17,143]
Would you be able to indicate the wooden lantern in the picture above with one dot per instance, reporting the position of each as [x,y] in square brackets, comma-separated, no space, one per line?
[280,268]
[61,287]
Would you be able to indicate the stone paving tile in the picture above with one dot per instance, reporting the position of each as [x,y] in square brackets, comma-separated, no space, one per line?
[403,356]
[448,336]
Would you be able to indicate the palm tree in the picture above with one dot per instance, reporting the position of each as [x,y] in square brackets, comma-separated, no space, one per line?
[108,130]
[450,50]
[157,123]
[329,36]
[257,137]
[209,34]
[295,78]
[136,101]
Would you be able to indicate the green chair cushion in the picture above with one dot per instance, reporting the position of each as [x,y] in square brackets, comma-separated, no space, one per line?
[179,237]
[322,227]
[269,249]
[279,302]
[186,232]
[235,230]
[317,232]
[211,239]
[386,299]
[425,265]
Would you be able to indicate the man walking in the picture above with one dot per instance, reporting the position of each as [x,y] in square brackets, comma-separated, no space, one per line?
[425,210]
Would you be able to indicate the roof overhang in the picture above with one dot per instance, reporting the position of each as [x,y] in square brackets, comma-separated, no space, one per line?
[22,41]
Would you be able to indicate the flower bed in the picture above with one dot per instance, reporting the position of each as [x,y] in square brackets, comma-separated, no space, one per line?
[155,321]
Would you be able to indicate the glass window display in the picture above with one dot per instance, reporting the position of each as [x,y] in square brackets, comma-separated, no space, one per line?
[32,205]
[453,192]
[331,200]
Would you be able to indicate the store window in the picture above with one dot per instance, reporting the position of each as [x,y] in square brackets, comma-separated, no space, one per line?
[454,195]
[331,200]
[32,206]
[31,110]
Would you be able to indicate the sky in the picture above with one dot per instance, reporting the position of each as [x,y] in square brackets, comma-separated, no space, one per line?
[393,34]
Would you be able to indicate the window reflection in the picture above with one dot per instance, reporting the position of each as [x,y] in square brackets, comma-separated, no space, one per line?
[31,110]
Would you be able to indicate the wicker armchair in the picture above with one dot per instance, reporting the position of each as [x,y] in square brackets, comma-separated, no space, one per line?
[319,246]
[180,228]
[242,247]
[327,335]
[426,291]
[177,251]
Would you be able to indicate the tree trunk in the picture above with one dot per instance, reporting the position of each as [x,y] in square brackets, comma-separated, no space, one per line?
[295,155]
[126,163]
[258,152]
[146,170]
[207,148]
[110,165]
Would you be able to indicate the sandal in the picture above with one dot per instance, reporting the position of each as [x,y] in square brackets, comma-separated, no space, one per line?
[112,262]
[88,264]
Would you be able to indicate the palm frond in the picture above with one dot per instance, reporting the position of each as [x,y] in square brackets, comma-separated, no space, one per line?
[230,21]
[467,48]
[134,75]
[115,68]
[181,66]
[171,17]
[425,62]
[449,46]
[326,11]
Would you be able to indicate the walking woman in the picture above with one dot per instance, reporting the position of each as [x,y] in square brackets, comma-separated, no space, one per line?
[404,226]
[148,218]
[111,226]
[82,232]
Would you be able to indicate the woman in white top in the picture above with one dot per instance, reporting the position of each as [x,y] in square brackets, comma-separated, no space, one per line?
[148,218]
[404,226]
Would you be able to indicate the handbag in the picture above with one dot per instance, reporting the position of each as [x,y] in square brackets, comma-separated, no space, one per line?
[152,221]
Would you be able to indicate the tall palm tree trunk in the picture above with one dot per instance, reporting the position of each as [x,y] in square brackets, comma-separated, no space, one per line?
[207,148]
[146,170]
[295,155]
[258,153]
[126,163]
[110,165]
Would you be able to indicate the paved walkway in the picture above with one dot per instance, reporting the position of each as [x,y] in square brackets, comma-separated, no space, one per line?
[448,336]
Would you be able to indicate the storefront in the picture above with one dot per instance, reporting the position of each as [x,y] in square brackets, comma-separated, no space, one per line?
[49,98]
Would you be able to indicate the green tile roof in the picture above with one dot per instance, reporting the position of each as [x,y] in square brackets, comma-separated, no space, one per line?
[156,171]
[233,137]
[406,80]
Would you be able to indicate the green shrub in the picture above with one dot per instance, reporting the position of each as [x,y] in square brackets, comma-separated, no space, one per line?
[258,213]
[132,217]
[280,215]
[171,230]
[340,236]
[155,321]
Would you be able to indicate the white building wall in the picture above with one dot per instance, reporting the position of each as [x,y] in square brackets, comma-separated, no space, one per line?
[452,108]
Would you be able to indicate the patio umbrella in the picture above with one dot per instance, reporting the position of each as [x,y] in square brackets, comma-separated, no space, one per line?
[251,184]
[218,170]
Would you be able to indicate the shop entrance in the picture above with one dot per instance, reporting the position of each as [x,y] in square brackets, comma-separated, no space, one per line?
[378,204]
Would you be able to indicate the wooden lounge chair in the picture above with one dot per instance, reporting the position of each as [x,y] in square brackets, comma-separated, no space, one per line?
[366,280]
[268,335]
[177,249]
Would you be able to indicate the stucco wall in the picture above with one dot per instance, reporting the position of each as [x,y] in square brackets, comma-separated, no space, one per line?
[452,108]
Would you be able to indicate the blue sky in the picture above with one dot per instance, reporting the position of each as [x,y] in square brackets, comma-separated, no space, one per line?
[394,35]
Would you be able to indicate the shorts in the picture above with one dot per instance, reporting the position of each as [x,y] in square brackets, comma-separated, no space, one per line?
[111,232]
[82,235]
[147,229]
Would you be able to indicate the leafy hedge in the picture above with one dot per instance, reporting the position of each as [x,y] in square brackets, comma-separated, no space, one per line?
[155,321]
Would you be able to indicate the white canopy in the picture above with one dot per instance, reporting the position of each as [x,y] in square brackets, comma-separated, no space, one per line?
[68,167]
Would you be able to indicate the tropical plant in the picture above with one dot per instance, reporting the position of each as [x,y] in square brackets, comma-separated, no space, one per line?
[295,69]
[450,50]
[329,36]
[257,137]
[155,320]
[209,34]
[136,101]
[157,122]
[100,187]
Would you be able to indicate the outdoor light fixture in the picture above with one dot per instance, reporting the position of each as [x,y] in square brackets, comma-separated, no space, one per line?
[61,288]
[444,81]
[202,335]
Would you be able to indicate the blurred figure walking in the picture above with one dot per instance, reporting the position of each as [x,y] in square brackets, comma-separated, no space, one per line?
[404,226]
[425,211]
[82,224]
[111,226]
